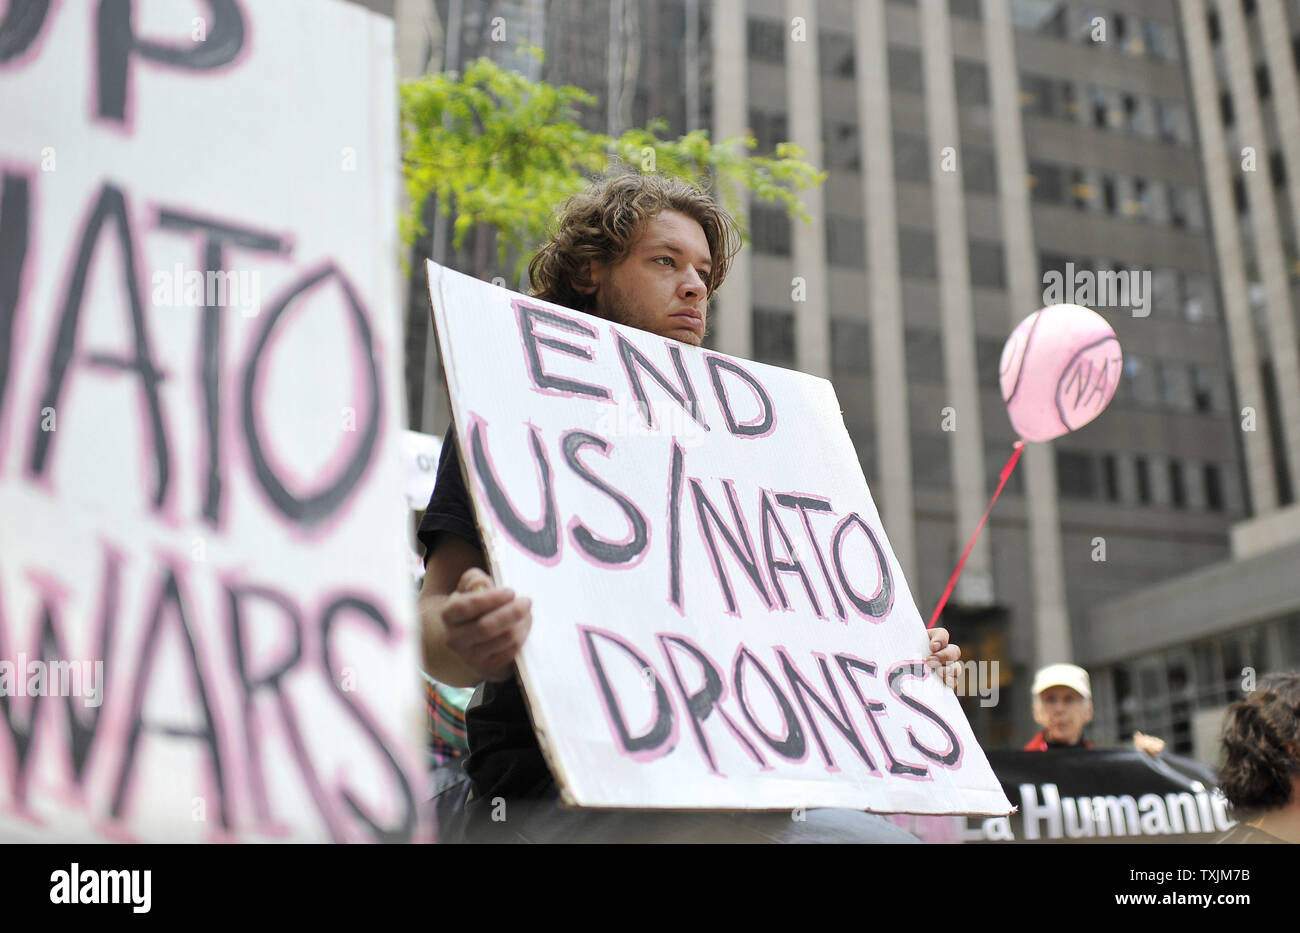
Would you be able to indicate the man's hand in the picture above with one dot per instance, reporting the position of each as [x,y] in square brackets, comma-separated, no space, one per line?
[945,659]
[1151,744]
[486,625]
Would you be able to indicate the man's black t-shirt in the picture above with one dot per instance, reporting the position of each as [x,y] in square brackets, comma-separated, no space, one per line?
[504,757]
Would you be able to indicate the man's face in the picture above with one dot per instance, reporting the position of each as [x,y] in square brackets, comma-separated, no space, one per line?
[1062,712]
[660,285]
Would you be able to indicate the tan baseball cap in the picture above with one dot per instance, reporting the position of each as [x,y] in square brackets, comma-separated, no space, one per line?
[1063,675]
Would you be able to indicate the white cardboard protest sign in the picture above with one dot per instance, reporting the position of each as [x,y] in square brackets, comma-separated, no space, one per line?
[206,615]
[718,618]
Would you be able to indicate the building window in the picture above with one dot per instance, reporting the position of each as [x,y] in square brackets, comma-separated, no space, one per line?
[770,228]
[979,170]
[972,83]
[1100,109]
[911,158]
[1202,395]
[1109,195]
[835,55]
[1177,484]
[1172,119]
[1143,471]
[1262,85]
[1110,477]
[1082,192]
[988,361]
[769,128]
[1170,394]
[766,39]
[850,350]
[986,270]
[924,356]
[1177,210]
[1277,167]
[916,253]
[845,241]
[905,70]
[1075,477]
[1049,182]
[1195,309]
[840,142]
[1132,371]
[1225,108]
[1164,291]
[1213,487]
[1132,115]
[1045,17]
[930,461]
[774,337]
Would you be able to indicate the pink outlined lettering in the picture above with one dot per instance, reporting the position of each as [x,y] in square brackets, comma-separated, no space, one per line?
[709,697]
[843,723]
[599,552]
[540,539]
[749,563]
[953,756]
[765,422]
[877,606]
[792,747]
[848,664]
[528,315]
[660,736]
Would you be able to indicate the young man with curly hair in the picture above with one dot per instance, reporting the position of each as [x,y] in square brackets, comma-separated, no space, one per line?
[648,252]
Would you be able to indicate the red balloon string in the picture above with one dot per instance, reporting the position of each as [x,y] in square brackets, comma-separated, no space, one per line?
[1007,469]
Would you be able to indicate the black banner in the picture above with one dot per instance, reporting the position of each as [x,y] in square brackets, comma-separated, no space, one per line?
[1118,795]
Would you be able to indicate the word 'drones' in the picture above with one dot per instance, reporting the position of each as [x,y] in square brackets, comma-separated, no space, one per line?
[723,704]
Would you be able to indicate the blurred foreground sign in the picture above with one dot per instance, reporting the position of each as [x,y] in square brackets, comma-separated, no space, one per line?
[206,629]
[718,618]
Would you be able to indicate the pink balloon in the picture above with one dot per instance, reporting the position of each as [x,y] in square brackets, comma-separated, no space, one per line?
[1060,368]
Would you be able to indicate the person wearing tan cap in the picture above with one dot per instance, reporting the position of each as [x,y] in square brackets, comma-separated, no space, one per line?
[1063,707]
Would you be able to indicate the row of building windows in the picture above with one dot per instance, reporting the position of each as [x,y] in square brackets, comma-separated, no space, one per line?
[770,229]
[1142,115]
[1172,291]
[907,73]
[1119,478]
[1092,25]
[1167,385]
[1082,474]
[1160,693]
[1117,194]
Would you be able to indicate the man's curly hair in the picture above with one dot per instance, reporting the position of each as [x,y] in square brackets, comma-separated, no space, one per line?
[1261,746]
[602,222]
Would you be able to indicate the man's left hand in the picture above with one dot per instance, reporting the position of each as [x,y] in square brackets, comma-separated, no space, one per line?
[944,658]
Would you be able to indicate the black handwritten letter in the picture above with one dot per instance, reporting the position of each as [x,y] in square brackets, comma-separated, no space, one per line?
[116,42]
[311,509]
[110,207]
[607,552]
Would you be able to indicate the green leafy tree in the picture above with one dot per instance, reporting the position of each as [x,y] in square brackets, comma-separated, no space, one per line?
[503,151]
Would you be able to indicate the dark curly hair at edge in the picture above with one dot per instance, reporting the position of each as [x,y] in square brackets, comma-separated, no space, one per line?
[603,221]
[1261,744]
